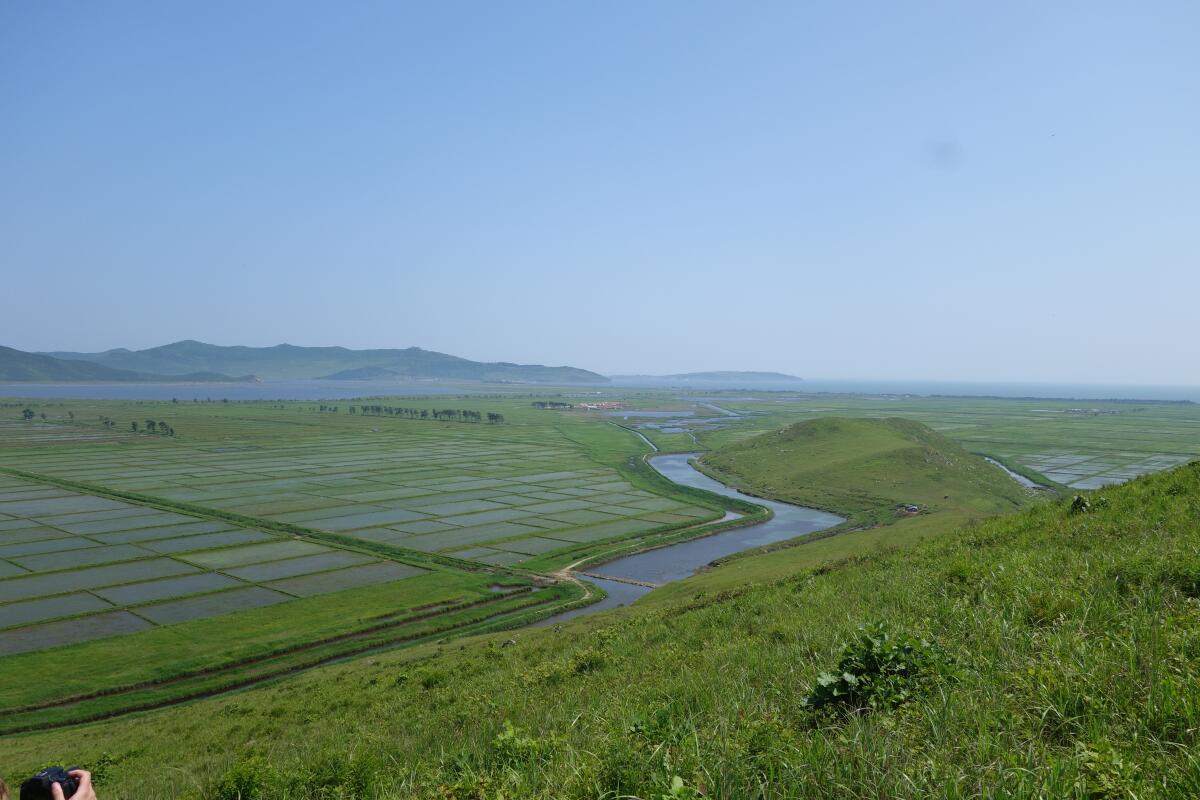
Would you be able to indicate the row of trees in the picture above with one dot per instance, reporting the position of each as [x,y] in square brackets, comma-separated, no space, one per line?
[445,414]
[552,405]
[153,426]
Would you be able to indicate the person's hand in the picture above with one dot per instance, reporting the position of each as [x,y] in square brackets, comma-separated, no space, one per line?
[84,792]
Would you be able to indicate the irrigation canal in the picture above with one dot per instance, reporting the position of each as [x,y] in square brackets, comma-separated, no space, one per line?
[628,578]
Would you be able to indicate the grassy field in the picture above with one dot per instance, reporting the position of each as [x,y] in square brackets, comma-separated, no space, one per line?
[868,471]
[1079,444]
[1061,664]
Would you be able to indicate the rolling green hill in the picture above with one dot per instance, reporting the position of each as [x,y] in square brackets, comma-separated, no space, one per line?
[289,362]
[16,365]
[867,470]
[1052,654]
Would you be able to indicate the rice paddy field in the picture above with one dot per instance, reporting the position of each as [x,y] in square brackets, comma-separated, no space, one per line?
[262,538]
[113,567]
[497,502]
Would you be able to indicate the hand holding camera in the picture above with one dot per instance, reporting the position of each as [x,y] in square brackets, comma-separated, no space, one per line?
[56,783]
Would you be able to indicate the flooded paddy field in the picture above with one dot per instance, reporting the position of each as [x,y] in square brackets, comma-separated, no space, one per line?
[109,533]
[515,500]
[65,554]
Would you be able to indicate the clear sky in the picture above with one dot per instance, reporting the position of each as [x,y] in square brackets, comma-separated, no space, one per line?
[952,190]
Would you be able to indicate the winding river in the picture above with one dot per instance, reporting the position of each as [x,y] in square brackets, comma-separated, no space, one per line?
[628,578]
[1016,476]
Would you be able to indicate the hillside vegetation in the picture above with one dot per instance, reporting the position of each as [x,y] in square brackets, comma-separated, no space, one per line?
[17,365]
[1053,653]
[289,362]
[867,470]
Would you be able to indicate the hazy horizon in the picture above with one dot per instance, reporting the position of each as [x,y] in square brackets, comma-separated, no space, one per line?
[864,383]
[921,192]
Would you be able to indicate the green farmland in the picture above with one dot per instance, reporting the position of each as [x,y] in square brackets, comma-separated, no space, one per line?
[259,540]
[262,539]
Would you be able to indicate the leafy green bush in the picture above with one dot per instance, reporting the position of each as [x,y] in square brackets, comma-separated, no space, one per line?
[334,776]
[879,669]
[247,779]
[512,747]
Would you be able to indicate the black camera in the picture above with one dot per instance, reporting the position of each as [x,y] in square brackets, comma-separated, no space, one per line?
[38,787]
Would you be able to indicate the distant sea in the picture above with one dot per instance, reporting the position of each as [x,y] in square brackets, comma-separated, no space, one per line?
[342,390]
[1079,391]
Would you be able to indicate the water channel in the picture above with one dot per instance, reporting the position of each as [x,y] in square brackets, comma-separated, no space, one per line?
[1016,476]
[678,561]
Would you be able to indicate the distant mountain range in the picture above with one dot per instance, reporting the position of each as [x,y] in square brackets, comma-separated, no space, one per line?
[736,377]
[16,365]
[196,361]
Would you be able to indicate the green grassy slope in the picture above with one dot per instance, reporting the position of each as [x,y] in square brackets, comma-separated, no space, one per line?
[865,469]
[1127,436]
[1070,670]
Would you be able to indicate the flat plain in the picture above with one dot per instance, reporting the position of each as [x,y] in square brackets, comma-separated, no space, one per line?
[261,539]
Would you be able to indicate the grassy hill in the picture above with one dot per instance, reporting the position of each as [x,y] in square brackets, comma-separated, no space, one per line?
[17,365]
[287,362]
[867,470]
[1061,661]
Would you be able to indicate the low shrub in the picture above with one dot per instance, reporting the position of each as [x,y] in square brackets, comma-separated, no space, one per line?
[879,669]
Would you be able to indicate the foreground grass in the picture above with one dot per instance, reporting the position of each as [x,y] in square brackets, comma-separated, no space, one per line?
[1071,670]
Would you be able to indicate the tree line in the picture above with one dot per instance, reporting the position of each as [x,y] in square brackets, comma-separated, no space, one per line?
[444,414]
[552,405]
[153,426]
[150,426]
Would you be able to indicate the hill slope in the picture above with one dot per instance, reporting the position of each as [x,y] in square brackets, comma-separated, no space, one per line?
[1064,666]
[285,361]
[17,365]
[866,470]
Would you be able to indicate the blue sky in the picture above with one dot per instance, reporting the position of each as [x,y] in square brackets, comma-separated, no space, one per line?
[973,191]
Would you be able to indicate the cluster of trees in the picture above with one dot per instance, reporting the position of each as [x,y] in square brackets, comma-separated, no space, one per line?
[108,423]
[551,404]
[153,426]
[446,414]
[28,414]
